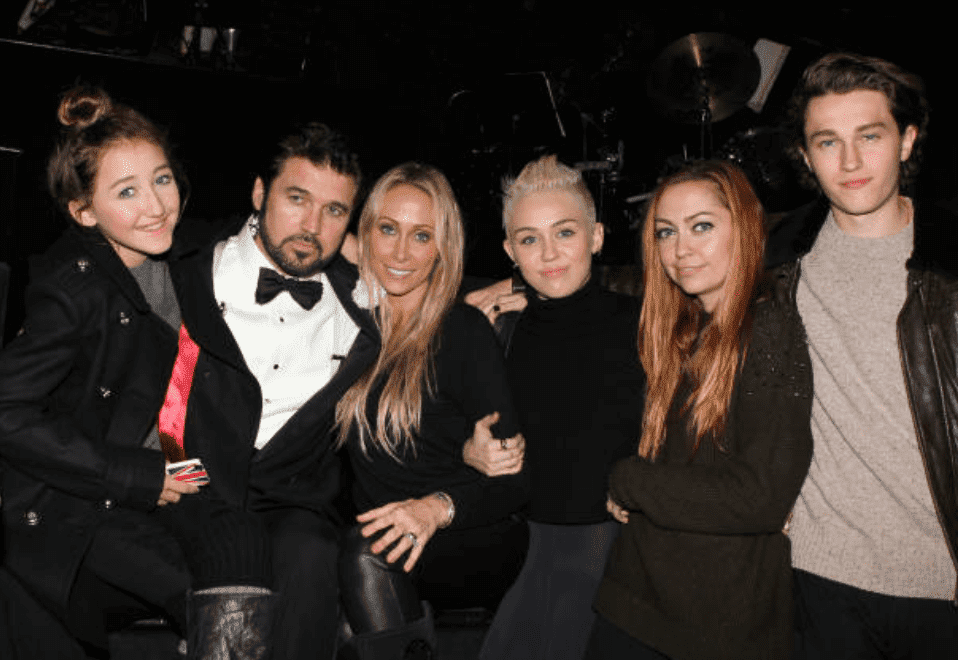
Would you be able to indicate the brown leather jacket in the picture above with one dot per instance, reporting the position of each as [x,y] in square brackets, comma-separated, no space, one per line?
[927,337]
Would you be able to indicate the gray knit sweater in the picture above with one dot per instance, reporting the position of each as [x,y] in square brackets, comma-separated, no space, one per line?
[865,516]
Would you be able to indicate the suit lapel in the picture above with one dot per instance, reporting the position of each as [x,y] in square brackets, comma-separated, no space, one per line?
[307,423]
[193,281]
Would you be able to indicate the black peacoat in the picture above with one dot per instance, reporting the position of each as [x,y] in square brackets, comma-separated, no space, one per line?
[80,389]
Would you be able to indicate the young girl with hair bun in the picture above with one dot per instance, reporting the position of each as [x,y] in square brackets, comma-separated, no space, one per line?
[88,506]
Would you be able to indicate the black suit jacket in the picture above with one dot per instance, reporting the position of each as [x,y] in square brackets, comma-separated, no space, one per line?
[297,467]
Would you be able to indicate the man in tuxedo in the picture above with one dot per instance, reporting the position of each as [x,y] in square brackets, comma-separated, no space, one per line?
[273,310]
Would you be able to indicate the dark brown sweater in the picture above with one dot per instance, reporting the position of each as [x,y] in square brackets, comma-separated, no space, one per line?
[702,569]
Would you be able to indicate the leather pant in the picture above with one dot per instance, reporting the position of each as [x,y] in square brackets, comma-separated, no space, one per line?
[458,568]
[377,596]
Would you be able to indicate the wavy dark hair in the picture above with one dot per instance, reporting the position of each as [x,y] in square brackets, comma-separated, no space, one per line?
[315,142]
[840,73]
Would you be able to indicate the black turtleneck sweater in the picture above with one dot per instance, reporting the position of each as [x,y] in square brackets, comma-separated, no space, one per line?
[579,388]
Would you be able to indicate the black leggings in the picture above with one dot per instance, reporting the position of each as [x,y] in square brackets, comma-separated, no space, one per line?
[458,568]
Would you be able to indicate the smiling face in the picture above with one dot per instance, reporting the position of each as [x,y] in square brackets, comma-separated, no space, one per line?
[552,240]
[693,233]
[135,202]
[854,149]
[402,245]
[304,217]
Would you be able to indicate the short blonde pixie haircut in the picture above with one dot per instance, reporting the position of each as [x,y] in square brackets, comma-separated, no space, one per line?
[541,175]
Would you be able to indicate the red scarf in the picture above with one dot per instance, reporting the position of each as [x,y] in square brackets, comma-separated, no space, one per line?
[173,413]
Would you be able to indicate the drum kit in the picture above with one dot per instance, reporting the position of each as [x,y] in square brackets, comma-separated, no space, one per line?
[697,81]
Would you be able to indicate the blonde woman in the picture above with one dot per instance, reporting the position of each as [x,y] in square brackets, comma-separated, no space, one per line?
[578,385]
[431,527]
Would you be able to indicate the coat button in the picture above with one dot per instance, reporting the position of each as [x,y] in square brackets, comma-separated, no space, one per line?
[31,518]
[108,504]
[104,392]
[124,318]
[83,265]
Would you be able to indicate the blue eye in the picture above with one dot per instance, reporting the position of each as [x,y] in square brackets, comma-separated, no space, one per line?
[663,233]
[826,143]
[387,229]
[337,211]
[164,179]
[566,233]
[871,137]
[527,240]
[423,236]
[127,192]
[702,226]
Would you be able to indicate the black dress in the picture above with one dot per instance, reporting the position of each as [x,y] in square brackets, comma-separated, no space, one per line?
[472,562]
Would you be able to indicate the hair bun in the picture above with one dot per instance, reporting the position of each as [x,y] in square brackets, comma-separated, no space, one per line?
[83,106]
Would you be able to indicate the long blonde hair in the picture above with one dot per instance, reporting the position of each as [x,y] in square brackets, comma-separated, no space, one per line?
[410,343]
[671,344]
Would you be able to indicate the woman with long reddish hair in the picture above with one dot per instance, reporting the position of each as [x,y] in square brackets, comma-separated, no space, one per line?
[701,568]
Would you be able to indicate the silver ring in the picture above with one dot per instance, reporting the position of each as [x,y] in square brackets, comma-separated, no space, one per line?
[412,538]
[504,443]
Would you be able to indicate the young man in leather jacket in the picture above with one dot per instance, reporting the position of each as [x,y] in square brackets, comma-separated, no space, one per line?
[874,275]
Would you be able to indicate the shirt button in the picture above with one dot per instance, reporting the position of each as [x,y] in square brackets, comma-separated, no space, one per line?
[108,504]
[124,318]
[83,265]
[105,392]
[31,518]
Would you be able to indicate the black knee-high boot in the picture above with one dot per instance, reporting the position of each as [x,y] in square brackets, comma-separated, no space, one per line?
[411,641]
[388,621]
[230,623]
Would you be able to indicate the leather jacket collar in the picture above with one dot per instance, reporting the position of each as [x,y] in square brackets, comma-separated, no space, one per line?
[936,235]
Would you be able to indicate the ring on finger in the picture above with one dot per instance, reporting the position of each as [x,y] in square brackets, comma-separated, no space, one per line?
[504,443]
[412,538]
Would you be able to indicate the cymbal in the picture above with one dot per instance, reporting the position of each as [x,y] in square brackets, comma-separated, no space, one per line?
[703,77]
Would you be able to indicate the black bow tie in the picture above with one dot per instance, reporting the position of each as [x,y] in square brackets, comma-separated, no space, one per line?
[306,292]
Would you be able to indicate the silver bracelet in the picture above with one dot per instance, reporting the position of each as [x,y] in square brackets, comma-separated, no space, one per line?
[451,512]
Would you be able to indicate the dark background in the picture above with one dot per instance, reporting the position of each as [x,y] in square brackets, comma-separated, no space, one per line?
[427,81]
